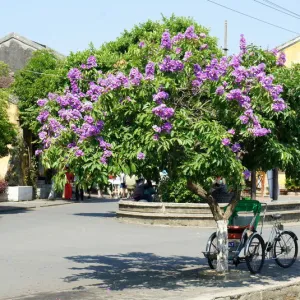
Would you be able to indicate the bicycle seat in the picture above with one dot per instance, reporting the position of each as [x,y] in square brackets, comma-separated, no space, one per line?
[276,216]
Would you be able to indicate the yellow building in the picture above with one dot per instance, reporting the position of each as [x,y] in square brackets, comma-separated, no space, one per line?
[13,114]
[292,51]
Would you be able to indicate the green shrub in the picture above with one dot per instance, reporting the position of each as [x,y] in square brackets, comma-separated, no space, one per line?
[176,191]
[292,184]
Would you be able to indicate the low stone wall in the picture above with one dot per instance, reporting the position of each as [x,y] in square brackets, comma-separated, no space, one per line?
[192,214]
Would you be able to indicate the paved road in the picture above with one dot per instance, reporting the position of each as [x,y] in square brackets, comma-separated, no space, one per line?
[84,250]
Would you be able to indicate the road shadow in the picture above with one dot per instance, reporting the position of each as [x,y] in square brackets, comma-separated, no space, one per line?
[147,270]
[109,214]
[8,210]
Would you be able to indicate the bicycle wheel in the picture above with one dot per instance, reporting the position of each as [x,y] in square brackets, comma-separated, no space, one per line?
[285,249]
[255,253]
[211,250]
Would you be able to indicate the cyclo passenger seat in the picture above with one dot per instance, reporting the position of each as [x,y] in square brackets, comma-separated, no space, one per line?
[237,224]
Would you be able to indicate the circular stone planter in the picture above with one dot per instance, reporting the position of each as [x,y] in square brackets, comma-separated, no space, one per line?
[193,214]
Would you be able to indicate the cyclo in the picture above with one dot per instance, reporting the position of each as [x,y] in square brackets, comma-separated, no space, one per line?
[245,243]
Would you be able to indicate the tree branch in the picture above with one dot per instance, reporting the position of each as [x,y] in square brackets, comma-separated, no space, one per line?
[213,204]
[231,206]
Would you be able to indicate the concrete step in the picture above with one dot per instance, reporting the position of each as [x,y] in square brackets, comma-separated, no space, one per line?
[192,219]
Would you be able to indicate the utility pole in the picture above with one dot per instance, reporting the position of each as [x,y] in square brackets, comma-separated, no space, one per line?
[253,184]
[275,184]
[225,38]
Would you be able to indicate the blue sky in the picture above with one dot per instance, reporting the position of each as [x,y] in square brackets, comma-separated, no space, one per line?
[70,25]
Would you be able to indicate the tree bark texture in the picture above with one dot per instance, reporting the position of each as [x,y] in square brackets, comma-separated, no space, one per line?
[213,204]
[222,246]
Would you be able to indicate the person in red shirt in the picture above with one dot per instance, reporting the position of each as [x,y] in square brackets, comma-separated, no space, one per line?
[68,186]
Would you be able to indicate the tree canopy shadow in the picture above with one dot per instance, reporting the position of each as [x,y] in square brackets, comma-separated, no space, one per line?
[147,270]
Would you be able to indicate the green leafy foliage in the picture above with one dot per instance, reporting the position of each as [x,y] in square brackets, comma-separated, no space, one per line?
[40,76]
[7,130]
[176,191]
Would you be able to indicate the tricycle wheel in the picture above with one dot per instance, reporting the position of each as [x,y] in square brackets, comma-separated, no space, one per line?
[211,250]
[255,253]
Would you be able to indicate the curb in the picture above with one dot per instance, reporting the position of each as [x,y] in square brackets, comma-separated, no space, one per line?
[286,291]
[13,208]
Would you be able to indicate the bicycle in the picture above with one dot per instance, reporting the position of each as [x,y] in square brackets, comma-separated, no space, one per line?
[247,245]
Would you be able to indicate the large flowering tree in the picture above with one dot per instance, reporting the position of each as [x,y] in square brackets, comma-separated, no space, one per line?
[177,105]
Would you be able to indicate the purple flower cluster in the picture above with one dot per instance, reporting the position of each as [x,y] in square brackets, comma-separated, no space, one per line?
[167,127]
[91,63]
[106,153]
[243,44]
[88,119]
[213,71]
[112,82]
[150,70]
[70,114]
[190,33]
[231,131]
[79,153]
[74,74]
[171,65]
[163,111]
[226,142]
[202,35]
[155,137]
[160,96]
[178,50]
[236,147]
[203,47]
[177,38]
[259,131]
[87,106]
[94,91]
[274,51]
[52,96]
[142,44]
[135,76]
[274,91]
[43,116]
[278,105]
[156,128]
[42,102]
[55,126]
[71,145]
[281,59]
[141,156]
[166,40]
[43,135]
[38,152]
[247,174]
[187,55]
[220,90]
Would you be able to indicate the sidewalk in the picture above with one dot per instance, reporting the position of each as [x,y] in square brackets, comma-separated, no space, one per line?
[23,205]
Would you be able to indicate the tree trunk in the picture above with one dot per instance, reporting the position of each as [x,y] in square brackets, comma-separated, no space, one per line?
[221,219]
[222,246]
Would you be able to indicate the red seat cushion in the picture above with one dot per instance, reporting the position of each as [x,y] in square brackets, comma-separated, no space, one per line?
[235,232]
